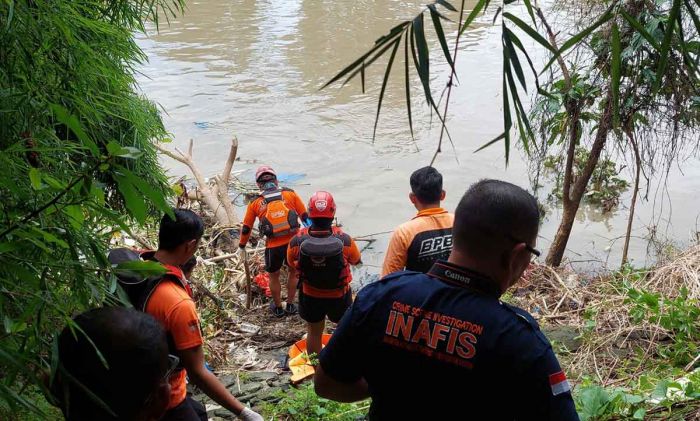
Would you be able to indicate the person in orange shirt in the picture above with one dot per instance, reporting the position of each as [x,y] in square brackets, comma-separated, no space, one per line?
[278,210]
[170,302]
[322,254]
[415,245]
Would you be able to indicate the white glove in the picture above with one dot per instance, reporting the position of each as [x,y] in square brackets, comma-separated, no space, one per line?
[249,415]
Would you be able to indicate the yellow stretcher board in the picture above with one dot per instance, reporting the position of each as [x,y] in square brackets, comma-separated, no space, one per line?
[298,361]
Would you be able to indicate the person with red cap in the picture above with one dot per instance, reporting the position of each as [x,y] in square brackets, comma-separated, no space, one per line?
[278,210]
[322,254]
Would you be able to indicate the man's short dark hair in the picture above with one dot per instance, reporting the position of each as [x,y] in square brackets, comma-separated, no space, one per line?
[426,184]
[186,226]
[134,347]
[491,216]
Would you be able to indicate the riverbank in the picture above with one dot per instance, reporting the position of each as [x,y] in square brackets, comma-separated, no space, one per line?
[628,340]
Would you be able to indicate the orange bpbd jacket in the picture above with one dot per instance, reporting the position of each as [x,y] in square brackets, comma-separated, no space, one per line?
[350,252]
[418,243]
[174,308]
[256,210]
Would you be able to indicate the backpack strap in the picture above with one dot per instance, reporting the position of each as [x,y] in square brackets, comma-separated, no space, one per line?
[271,195]
[173,274]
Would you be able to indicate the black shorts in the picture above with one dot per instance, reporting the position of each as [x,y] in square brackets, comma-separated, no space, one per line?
[275,257]
[187,410]
[313,309]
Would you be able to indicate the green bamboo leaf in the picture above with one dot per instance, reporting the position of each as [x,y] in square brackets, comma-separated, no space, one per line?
[423,55]
[580,36]
[666,43]
[495,15]
[365,64]
[615,67]
[524,129]
[530,10]
[507,120]
[10,14]
[639,28]
[143,268]
[134,201]
[474,13]
[35,178]
[407,82]
[362,76]
[684,44]
[693,15]
[435,16]
[528,30]
[516,41]
[446,5]
[69,120]
[491,142]
[523,123]
[514,60]
[75,215]
[153,195]
[384,82]
[378,44]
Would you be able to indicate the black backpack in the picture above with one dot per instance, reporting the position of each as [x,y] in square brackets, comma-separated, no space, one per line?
[137,287]
[321,261]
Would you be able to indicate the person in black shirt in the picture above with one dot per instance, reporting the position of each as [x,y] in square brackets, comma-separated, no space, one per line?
[442,345]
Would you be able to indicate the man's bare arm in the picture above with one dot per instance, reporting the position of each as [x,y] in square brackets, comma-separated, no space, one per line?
[193,360]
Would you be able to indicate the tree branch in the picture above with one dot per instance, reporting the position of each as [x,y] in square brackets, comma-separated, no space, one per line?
[604,125]
[226,174]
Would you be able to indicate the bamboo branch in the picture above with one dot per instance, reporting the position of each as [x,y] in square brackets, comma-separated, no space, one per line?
[450,83]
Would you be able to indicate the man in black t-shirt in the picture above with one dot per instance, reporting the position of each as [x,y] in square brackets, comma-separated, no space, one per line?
[441,345]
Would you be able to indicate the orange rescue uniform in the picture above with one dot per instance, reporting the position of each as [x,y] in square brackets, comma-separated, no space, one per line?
[418,243]
[256,209]
[174,308]
[350,252]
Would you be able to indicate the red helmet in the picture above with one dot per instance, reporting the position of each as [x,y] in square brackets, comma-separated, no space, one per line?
[265,169]
[321,205]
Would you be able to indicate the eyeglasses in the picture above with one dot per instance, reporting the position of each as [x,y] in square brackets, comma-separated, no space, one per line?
[173,363]
[536,253]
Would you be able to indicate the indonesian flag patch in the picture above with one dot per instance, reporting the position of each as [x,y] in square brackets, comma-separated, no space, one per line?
[558,383]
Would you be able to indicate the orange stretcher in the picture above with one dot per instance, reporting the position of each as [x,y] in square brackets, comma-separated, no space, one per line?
[299,362]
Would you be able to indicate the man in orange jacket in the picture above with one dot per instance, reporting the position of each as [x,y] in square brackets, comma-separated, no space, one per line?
[420,242]
[278,210]
[322,254]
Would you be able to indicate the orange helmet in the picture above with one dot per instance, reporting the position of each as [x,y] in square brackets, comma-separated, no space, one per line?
[321,205]
[265,169]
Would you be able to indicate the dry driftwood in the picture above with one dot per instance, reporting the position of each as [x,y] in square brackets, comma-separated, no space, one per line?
[213,194]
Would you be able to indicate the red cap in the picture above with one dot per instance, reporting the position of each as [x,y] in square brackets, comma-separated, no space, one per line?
[264,170]
[321,205]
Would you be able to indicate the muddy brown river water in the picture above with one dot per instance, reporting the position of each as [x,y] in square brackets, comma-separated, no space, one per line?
[254,69]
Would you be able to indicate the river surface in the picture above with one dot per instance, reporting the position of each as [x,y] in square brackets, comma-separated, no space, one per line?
[254,69]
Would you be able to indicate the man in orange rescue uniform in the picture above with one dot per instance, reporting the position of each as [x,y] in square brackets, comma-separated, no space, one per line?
[418,243]
[322,254]
[172,305]
[278,210]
